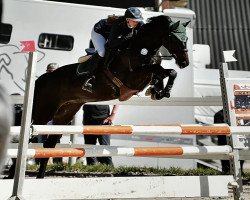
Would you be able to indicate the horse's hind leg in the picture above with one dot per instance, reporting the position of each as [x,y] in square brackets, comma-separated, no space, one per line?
[63,116]
[49,143]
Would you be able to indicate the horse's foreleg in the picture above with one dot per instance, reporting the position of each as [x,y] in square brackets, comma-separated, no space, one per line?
[156,86]
[172,74]
[49,143]
[157,83]
[157,89]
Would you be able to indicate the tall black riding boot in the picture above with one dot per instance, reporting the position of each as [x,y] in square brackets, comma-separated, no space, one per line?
[109,57]
[90,78]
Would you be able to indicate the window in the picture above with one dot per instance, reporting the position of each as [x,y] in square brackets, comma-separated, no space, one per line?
[56,42]
[5,33]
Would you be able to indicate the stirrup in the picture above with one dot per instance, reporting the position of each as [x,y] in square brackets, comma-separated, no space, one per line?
[87,85]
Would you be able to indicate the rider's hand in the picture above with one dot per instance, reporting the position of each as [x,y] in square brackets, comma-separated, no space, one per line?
[128,36]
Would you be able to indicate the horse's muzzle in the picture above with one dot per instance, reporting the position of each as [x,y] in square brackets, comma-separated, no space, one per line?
[183,64]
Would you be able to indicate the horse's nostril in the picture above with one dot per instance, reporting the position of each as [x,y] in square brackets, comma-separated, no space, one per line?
[183,64]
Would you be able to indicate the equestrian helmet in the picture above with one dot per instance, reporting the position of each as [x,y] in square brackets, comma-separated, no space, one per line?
[134,14]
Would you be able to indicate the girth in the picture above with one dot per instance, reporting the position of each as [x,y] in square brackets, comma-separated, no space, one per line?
[125,92]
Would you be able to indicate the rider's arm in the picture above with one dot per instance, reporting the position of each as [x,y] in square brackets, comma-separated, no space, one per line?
[99,27]
[117,37]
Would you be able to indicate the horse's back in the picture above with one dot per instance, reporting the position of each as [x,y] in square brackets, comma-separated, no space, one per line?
[51,80]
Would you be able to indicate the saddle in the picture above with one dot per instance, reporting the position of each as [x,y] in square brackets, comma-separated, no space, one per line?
[86,67]
[86,63]
[84,58]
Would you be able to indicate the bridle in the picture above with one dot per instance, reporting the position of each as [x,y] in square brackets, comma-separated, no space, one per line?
[172,55]
[155,56]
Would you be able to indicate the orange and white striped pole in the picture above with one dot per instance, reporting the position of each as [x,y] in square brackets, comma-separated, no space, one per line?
[221,129]
[103,151]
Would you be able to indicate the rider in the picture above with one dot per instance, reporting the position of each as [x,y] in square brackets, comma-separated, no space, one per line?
[107,36]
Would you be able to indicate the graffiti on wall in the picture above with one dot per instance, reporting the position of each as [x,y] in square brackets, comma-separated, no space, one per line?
[13,67]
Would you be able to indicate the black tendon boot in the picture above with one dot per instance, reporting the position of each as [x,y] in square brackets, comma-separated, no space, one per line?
[156,86]
[167,90]
[90,78]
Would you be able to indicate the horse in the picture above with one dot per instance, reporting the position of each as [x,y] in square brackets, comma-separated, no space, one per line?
[59,95]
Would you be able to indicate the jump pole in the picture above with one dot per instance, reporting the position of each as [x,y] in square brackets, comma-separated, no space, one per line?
[142,130]
[147,101]
[173,101]
[103,151]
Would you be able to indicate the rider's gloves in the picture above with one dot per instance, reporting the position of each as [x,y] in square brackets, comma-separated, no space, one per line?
[128,36]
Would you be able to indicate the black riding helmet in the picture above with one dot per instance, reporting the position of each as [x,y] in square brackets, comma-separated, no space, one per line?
[134,14]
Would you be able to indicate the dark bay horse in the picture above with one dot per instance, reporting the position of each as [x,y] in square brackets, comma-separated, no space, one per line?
[59,95]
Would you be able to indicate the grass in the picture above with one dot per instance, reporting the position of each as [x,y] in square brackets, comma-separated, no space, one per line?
[127,171]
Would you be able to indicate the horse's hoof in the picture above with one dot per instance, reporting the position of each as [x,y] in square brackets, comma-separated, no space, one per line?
[167,95]
[156,96]
[148,92]
[153,97]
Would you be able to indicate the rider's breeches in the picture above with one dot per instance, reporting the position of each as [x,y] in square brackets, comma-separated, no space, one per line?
[98,42]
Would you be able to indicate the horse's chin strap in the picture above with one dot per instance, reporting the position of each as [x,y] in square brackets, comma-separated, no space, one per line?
[125,92]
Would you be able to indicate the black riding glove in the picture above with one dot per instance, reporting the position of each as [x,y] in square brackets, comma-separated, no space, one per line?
[128,36]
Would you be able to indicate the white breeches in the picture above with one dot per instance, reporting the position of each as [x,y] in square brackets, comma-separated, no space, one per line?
[98,42]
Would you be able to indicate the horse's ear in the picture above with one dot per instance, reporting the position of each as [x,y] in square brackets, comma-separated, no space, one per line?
[175,25]
[186,23]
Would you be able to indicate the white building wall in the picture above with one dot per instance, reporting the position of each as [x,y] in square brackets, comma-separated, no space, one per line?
[31,18]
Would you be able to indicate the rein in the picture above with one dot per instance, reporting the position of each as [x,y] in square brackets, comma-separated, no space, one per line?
[170,56]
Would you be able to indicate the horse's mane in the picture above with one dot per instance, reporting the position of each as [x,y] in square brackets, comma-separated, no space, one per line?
[154,25]
[165,23]
[161,21]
